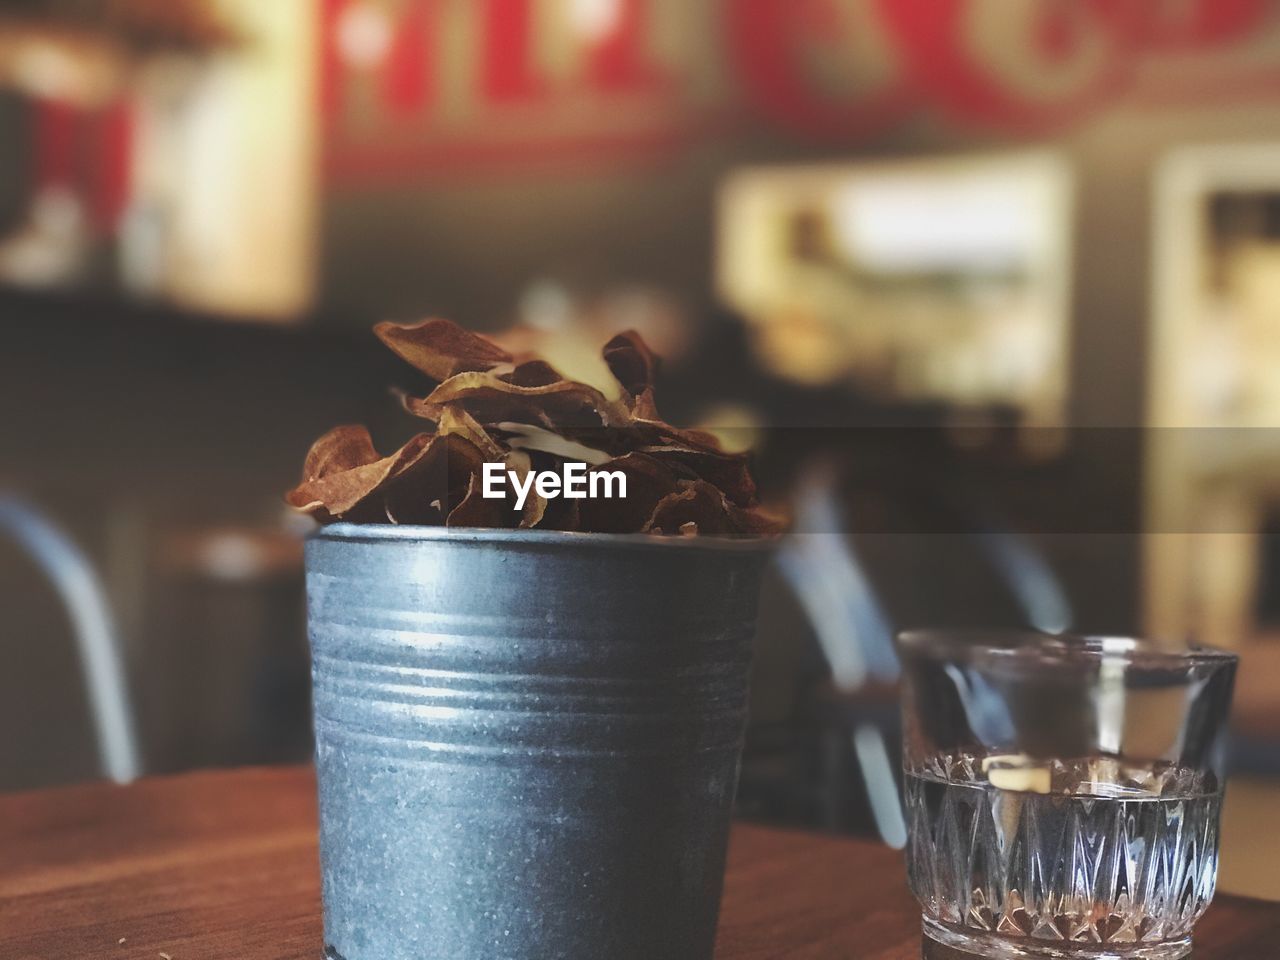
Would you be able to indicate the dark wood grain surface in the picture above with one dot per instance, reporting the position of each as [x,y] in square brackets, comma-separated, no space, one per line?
[222,866]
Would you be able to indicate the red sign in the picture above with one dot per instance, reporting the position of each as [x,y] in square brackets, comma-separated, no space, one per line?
[420,85]
[86,153]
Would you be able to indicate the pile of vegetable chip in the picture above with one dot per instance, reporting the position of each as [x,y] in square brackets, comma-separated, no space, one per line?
[493,407]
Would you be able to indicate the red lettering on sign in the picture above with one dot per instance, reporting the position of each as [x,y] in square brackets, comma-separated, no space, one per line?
[55,143]
[88,153]
[1019,66]
[1185,26]
[619,62]
[769,40]
[934,35]
[407,77]
[508,73]
[112,179]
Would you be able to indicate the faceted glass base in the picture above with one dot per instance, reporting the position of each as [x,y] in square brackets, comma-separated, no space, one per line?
[958,943]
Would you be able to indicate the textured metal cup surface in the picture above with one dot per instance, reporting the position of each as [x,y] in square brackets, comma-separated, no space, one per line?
[527,743]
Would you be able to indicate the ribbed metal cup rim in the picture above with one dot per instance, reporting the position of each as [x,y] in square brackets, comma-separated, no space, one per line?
[386,532]
[1060,648]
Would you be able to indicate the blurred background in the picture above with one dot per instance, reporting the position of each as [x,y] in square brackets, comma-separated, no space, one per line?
[993,287]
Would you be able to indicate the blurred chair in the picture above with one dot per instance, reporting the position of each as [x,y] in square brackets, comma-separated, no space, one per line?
[84,600]
[855,712]
[856,639]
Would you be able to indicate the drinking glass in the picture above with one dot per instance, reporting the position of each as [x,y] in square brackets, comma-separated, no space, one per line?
[1062,792]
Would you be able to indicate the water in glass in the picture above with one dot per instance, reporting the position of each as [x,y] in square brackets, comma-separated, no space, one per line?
[1089,857]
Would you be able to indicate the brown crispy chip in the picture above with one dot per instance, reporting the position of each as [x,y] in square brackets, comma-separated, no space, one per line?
[428,490]
[336,484]
[490,400]
[648,482]
[644,407]
[342,448]
[635,367]
[535,505]
[639,432]
[561,514]
[696,505]
[441,348]
[699,507]
[631,362]
[728,472]
[532,373]
[455,420]
[476,511]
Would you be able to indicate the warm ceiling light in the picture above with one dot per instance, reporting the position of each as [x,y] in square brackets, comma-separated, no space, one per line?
[594,20]
[364,35]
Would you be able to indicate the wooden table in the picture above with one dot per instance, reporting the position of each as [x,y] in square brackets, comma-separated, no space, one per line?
[222,866]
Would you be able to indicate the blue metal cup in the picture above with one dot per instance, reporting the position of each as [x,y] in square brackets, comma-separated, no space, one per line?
[527,742]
